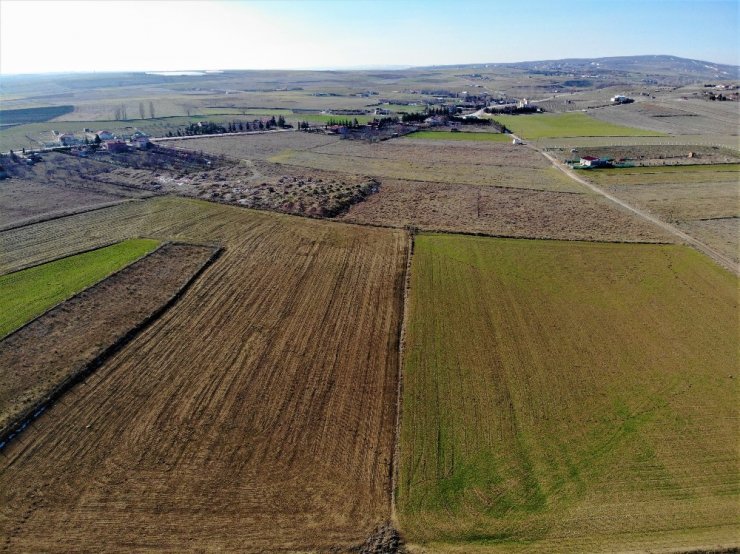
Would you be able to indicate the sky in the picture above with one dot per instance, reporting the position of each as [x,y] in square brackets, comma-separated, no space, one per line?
[110,35]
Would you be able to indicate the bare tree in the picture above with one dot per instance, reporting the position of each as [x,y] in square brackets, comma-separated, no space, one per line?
[151,109]
[117,114]
[123,112]
[141,110]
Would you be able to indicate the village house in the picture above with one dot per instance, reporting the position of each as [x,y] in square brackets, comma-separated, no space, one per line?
[105,135]
[115,146]
[140,142]
[591,161]
[67,139]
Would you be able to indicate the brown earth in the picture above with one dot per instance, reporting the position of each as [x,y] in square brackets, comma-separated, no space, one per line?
[255,147]
[26,201]
[504,212]
[655,154]
[256,414]
[43,355]
[489,164]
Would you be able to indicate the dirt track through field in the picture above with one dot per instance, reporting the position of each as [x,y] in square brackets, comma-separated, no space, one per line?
[716,255]
[257,414]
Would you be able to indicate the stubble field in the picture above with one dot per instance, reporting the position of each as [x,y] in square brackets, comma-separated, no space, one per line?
[567,397]
[229,424]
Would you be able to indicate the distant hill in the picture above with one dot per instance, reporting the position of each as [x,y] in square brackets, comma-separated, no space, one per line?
[658,66]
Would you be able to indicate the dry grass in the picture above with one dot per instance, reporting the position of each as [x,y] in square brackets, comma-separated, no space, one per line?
[233,423]
[568,397]
[489,164]
[675,116]
[506,212]
[256,147]
[721,233]
[683,195]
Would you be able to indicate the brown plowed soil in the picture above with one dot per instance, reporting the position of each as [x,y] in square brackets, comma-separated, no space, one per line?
[257,414]
[41,356]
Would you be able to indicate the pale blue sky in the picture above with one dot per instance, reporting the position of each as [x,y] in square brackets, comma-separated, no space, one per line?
[38,36]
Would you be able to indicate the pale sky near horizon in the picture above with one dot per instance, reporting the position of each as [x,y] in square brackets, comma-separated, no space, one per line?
[80,36]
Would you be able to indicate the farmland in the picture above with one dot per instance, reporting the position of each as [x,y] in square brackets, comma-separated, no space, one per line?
[468,163]
[369,341]
[441,135]
[528,425]
[567,125]
[500,211]
[228,422]
[701,199]
[27,293]
[32,115]
[58,347]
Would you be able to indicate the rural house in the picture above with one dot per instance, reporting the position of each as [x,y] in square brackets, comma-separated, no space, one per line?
[140,142]
[67,139]
[105,135]
[591,161]
[116,146]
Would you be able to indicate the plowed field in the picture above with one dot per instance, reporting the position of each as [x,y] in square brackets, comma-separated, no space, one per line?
[37,360]
[257,414]
[568,397]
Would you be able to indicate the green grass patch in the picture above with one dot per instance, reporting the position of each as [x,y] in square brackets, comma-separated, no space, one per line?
[33,115]
[567,125]
[28,293]
[544,380]
[462,136]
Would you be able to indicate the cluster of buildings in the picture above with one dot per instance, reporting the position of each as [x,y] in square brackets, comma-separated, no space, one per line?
[107,140]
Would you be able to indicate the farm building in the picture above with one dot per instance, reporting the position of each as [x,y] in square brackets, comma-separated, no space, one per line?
[591,161]
[67,139]
[105,135]
[621,99]
[140,142]
[116,146]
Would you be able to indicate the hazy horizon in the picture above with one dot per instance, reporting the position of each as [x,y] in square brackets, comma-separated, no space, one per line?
[126,36]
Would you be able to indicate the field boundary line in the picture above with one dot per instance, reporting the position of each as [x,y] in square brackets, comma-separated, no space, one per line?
[715,255]
[27,223]
[399,385]
[16,426]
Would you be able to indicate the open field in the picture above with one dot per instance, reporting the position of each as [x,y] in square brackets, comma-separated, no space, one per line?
[229,424]
[656,154]
[500,211]
[470,163]
[721,141]
[26,201]
[461,136]
[675,116]
[32,115]
[28,293]
[567,125]
[256,147]
[684,195]
[40,358]
[563,397]
[720,233]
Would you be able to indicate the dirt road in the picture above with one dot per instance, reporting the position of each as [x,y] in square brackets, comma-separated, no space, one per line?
[700,246]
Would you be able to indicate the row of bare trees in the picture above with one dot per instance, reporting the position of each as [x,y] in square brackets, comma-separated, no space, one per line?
[120,114]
